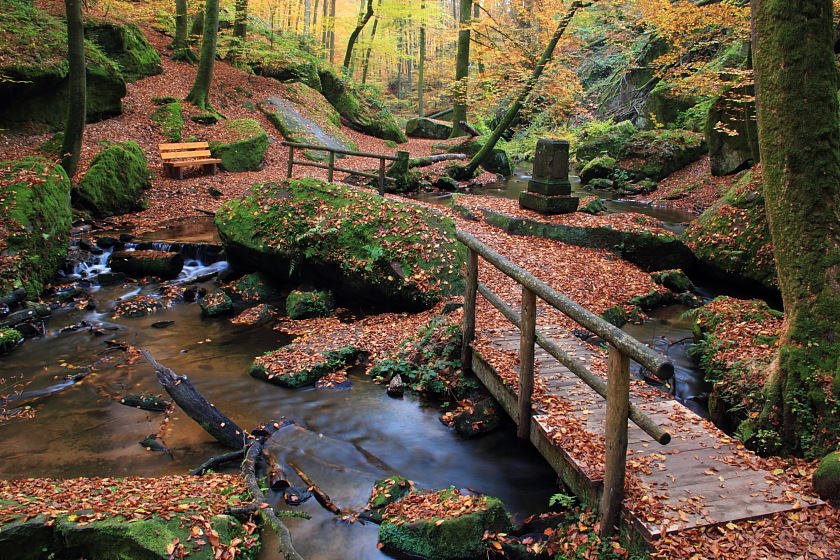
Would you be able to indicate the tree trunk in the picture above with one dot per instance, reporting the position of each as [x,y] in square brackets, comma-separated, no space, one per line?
[74,127]
[240,29]
[469,169]
[307,16]
[332,32]
[462,70]
[421,67]
[360,25]
[197,407]
[799,140]
[199,95]
[366,66]
[180,40]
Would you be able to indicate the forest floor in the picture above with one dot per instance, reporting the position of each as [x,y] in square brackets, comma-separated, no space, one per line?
[593,278]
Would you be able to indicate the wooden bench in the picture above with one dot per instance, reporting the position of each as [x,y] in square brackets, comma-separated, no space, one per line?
[177,156]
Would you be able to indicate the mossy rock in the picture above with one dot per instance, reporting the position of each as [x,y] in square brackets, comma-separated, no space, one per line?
[732,138]
[306,305]
[666,104]
[306,117]
[674,280]
[445,538]
[216,304]
[244,148]
[161,264]
[495,162]
[593,206]
[36,87]
[36,216]
[384,492]
[52,146]
[653,299]
[360,106]
[9,339]
[170,119]
[604,141]
[615,315]
[363,245]
[420,127]
[253,288]
[125,44]
[732,237]
[274,366]
[655,154]
[482,418]
[599,168]
[826,478]
[115,182]
[288,64]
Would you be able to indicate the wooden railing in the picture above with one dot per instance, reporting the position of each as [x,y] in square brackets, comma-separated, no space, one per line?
[332,168]
[617,388]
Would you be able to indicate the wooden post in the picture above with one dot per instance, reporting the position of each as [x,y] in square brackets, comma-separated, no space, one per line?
[618,405]
[291,162]
[470,291]
[331,169]
[526,361]
[381,176]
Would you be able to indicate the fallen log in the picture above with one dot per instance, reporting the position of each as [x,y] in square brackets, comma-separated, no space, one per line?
[197,407]
[218,460]
[277,479]
[429,160]
[263,509]
[319,494]
[468,129]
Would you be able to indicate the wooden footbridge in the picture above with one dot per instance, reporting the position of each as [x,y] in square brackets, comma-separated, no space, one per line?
[668,471]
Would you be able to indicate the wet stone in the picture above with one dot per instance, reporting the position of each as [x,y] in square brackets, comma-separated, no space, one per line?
[549,188]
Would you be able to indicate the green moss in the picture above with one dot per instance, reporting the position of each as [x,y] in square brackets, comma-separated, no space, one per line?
[245,148]
[497,161]
[216,304]
[170,119]
[253,288]
[274,366]
[115,181]
[827,477]
[36,216]
[306,305]
[125,44]
[9,338]
[365,245]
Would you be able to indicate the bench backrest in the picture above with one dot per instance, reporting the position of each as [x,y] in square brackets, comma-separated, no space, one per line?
[184,150]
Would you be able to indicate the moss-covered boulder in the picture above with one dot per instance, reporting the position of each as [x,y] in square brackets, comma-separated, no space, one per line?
[674,280]
[497,161]
[655,154]
[732,237]
[161,264]
[732,133]
[253,288]
[359,106]
[35,69]
[306,305]
[602,139]
[287,62]
[304,116]
[361,244]
[443,525]
[667,104]
[125,44]
[115,182]
[483,417]
[599,168]
[35,220]
[298,364]
[216,304]
[9,339]
[244,145]
[421,127]
[826,478]
[385,492]
[170,119]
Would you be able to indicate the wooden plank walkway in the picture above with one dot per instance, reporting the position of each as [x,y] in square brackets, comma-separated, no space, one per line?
[701,478]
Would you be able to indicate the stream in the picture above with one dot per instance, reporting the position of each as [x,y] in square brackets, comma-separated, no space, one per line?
[344,439]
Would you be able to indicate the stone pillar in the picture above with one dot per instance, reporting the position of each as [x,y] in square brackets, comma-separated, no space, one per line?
[549,189]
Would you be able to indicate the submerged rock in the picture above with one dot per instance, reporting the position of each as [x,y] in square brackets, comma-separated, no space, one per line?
[306,305]
[162,264]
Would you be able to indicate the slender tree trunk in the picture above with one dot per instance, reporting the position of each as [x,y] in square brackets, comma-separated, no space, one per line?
[307,15]
[180,40]
[462,70]
[421,68]
[469,169]
[799,140]
[240,29]
[332,32]
[366,65]
[199,95]
[360,25]
[74,127]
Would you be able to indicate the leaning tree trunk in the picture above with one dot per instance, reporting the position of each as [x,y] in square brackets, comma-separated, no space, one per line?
[462,70]
[199,95]
[799,139]
[74,127]
[469,170]
[354,36]
[366,65]
[197,407]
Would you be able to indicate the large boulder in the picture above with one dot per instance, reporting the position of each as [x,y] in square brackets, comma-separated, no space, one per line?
[732,237]
[363,245]
[732,133]
[495,162]
[244,145]
[603,138]
[287,64]
[421,127]
[35,219]
[303,115]
[655,154]
[125,44]
[667,105]
[36,85]
[115,182]
[359,106]
[137,264]
[826,478]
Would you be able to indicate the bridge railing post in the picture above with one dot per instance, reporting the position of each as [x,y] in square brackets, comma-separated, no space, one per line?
[618,404]
[526,360]
[470,291]
[291,162]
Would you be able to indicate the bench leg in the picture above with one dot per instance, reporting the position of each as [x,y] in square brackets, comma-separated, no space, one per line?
[209,168]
